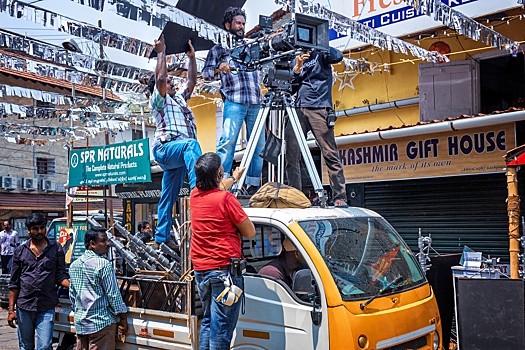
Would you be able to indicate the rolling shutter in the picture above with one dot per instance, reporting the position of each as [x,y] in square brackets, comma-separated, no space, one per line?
[456,211]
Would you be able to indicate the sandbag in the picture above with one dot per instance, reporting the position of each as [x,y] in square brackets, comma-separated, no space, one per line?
[277,195]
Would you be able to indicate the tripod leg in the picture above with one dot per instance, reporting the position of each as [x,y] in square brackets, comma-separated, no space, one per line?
[254,138]
[307,156]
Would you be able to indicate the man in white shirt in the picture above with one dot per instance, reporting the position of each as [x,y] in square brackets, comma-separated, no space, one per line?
[8,241]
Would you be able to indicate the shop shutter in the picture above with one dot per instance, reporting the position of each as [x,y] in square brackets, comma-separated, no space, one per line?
[456,211]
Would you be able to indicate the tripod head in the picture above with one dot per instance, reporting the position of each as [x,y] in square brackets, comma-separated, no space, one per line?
[279,75]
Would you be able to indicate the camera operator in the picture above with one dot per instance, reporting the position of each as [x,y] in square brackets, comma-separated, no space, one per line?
[241,92]
[312,79]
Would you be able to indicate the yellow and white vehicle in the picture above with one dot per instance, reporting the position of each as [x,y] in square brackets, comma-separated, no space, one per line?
[364,290]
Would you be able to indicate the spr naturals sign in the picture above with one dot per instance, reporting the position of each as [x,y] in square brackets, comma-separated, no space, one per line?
[466,152]
[126,162]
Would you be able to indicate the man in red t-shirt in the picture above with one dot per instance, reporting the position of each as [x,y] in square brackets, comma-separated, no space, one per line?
[217,221]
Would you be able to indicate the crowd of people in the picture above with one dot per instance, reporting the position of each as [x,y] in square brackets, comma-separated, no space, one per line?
[218,221]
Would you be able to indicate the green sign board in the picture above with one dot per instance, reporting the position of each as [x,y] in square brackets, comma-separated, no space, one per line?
[126,162]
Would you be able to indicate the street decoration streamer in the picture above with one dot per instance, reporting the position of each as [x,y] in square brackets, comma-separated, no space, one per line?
[363,66]
[361,32]
[42,135]
[463,24]
[22,10]
[117,77]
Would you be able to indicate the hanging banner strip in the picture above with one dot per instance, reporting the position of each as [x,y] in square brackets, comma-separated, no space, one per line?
[59,56]
[134,46]
[71,75]
[361,32]
[21,10]
[463,24]
[363,66]
[40,135]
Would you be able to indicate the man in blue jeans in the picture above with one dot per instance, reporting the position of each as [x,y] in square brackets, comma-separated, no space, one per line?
[38,267]
[175,147]
[241,91]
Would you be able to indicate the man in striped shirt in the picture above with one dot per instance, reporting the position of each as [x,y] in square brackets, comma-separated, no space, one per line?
[95,296]
[241,91]
[175,147]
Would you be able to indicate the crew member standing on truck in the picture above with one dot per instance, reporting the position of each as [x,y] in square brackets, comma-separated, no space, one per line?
[312,76]
[175,148]
[38,267]
[217,223]
[95,296]
[241,91]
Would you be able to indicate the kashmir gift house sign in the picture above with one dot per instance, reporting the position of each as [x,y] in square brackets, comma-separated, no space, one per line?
[466,152]
[126,162]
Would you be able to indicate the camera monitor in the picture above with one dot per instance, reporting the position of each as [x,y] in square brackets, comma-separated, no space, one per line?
[305,34]
[311,32]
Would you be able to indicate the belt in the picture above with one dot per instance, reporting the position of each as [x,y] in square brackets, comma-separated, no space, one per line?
[167,138]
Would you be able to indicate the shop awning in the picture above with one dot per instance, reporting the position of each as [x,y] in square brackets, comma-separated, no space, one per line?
[30,201]
[48,202]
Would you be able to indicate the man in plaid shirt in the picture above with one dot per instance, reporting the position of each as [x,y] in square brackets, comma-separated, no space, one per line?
[242,93]
[175,148]
[95,295]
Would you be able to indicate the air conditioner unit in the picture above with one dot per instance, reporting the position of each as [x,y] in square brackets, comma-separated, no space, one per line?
[8,182]
[29,184]
[48,185]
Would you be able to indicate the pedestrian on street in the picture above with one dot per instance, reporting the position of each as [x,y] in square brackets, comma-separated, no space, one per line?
[9,240]
[95,296]
[38,268]
[144,233]
[217,223]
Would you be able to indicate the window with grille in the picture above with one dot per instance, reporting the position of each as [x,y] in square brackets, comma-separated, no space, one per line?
[45,166]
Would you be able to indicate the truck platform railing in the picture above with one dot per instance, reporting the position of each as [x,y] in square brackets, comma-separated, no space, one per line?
[158,293]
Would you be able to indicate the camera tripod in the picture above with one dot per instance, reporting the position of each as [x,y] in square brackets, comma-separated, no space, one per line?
[281,100]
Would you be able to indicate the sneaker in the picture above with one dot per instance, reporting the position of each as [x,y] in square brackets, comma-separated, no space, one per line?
[341,203]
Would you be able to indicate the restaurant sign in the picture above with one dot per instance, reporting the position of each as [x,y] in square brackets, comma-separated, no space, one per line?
[126,162]
[468,152]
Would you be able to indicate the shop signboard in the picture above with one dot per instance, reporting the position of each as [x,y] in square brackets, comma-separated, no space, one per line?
[397,18]
[118,163]
[466,152]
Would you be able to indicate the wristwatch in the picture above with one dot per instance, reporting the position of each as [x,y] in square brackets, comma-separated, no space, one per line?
[234,179]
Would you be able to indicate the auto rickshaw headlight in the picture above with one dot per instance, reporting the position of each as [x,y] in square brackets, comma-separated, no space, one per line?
[436,340]
[362,341]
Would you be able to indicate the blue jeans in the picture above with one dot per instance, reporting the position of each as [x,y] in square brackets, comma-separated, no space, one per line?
[42,322]
[219,320]
[234,114]
[174,157]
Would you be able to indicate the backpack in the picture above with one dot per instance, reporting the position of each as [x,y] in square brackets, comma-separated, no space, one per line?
[277,195]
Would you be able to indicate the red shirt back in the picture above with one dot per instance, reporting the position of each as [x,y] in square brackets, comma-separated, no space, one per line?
[215,238]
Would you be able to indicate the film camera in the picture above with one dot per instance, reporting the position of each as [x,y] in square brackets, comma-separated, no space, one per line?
[275,49]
